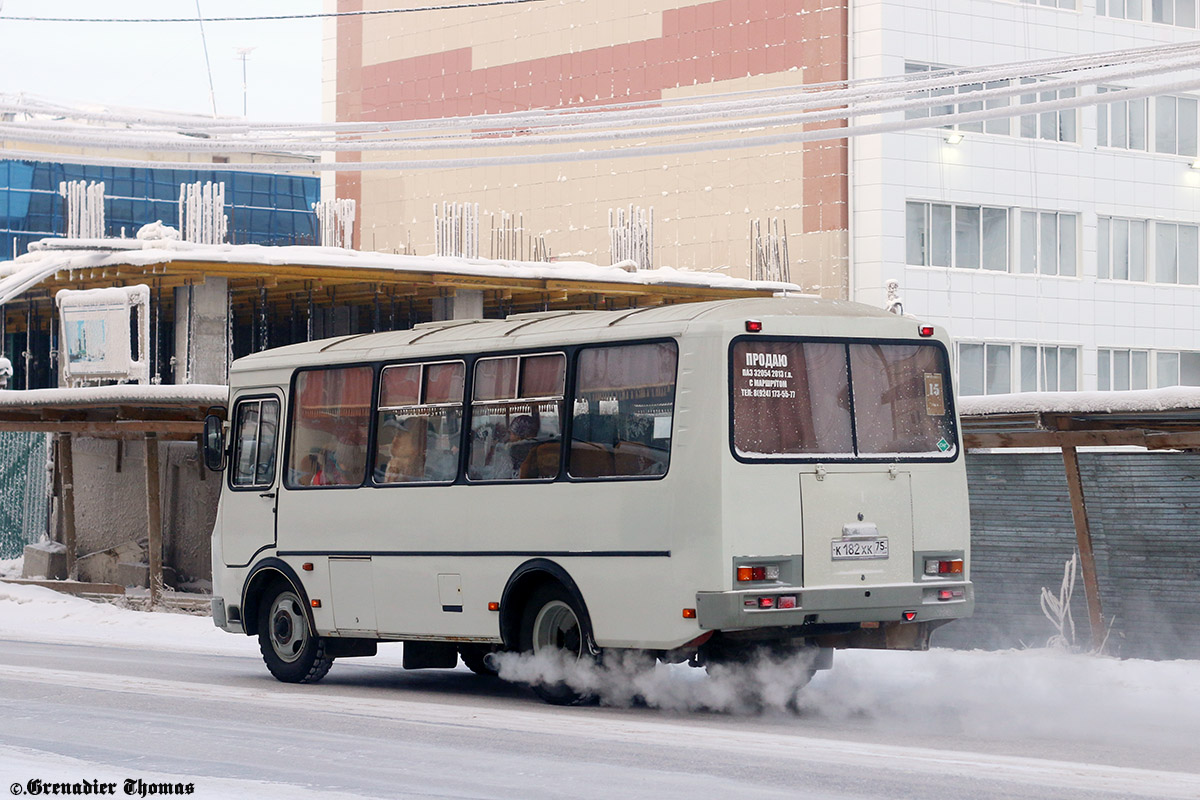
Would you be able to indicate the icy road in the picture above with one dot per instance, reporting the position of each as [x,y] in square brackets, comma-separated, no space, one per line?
[97,693]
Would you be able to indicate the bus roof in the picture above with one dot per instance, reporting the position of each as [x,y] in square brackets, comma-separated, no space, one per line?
[520,329]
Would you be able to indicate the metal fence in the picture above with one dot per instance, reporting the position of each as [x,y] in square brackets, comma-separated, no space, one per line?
[1144,510]
[23,490]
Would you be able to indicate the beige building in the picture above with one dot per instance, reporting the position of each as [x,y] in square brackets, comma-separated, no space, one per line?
[587,52]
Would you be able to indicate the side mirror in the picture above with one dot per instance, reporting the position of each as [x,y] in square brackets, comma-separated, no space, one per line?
[214,443]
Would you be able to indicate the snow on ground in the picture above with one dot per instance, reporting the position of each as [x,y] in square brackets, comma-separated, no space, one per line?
[1037,693]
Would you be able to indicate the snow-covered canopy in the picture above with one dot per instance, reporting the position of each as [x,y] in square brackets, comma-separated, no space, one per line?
[49,257]
[1174,398]
[192,394]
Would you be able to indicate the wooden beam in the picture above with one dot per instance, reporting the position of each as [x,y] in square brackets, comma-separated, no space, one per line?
[1083,539]
[154,520]
[1106,438]
[66,472]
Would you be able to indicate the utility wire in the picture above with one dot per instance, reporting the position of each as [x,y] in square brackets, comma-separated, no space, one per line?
[278,17]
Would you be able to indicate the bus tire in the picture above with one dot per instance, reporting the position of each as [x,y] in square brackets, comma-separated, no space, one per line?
[552,621]
[292,652]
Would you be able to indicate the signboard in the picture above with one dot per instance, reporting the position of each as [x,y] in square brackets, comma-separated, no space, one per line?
[98,339]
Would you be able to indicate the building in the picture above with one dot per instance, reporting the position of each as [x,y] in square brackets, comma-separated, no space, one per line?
[262,208]
[1061,247]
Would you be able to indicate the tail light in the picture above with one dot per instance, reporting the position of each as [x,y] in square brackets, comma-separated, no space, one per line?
[950,566]
[767,572]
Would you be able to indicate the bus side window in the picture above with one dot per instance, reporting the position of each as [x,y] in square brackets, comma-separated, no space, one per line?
[516,418]
[419,423]
[328,432]
[623,411]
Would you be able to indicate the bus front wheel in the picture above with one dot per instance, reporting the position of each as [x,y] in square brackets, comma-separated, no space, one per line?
[553,623]
[292,652]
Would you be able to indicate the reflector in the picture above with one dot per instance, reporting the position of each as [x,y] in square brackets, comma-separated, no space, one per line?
[316,603]
[766,602]
[909,616]
[689,613]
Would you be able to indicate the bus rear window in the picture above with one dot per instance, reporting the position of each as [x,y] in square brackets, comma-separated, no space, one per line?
[803,399]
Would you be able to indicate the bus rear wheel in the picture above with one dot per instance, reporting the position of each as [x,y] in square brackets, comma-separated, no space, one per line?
[292,652]
[552,622]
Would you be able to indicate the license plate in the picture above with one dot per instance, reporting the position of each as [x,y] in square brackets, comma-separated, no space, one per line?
[850,549]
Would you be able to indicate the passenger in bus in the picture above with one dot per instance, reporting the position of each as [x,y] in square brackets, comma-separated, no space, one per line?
[522,437]
[406,453]
[310,467]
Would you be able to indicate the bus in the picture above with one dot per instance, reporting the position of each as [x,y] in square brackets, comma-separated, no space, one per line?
[698,482]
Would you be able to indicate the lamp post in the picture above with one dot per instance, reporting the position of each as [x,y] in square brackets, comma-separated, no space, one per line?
[244,53]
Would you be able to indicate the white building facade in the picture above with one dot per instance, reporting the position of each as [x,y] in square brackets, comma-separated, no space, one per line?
[1061,249]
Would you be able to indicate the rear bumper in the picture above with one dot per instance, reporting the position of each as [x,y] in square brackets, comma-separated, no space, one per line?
[729,610]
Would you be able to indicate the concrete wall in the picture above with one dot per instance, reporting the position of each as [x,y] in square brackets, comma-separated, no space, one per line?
[110,503]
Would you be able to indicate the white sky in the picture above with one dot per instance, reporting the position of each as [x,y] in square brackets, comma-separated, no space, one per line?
[161,66]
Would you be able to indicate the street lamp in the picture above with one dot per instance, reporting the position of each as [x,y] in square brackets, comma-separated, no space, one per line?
[244,53]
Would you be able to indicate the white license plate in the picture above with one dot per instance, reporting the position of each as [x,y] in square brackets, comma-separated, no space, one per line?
[848,549]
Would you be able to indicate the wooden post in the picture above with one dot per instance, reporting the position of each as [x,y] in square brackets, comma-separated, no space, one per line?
[66,473]
[154,519]
[1083,538]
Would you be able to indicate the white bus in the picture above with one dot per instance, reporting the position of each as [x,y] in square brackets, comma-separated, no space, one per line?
[698,481]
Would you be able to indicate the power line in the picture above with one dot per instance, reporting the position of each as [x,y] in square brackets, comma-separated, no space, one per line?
[278,17]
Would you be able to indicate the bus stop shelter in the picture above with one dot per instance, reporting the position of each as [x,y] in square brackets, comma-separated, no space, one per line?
[151,414]
[1158,419]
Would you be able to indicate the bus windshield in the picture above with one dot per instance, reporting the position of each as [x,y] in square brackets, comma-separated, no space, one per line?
[797,399]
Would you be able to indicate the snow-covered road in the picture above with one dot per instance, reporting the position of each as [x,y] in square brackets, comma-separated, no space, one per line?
[92,692]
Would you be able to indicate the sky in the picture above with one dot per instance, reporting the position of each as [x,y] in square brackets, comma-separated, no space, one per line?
[162,66]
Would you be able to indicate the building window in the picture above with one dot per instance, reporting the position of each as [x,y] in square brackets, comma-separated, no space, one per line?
[1121,9]
[959,102]
[1049,368]
[1053,126]
[1122,123]
[1121,370]
[1120,249]
[1068,4]
[1174,12]
[1178,369]
[1048,243]
[1175,125]
[944,235]
[1176,253]
[984,368]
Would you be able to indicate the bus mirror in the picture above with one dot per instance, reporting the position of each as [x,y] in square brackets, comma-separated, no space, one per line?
[214,443]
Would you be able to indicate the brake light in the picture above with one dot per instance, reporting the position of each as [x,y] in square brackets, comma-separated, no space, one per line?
[950,594]
[753,326]
[766,602]
[925,330]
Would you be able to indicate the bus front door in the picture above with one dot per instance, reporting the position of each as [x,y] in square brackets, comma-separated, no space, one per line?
[248,506]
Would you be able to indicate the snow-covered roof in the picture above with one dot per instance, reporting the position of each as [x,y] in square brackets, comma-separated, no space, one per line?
[126,394]
[51,256]
[1174,398]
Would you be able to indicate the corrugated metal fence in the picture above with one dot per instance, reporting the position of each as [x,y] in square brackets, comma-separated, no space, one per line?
[23,493]
[1144,510]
